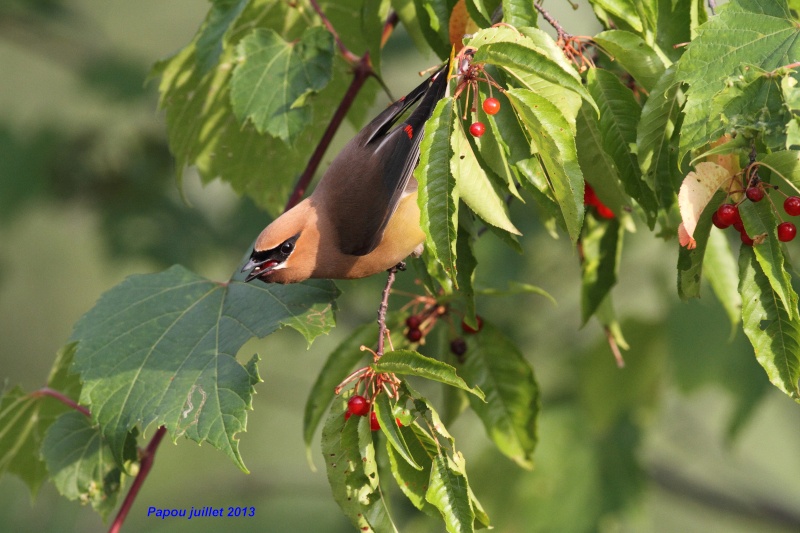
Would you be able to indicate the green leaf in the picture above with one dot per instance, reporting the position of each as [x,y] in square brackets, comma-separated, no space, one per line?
[349,457]
[746,33]
[690,262]
[338,365]
[373,15]
[509,413]
[221,17]
[775,336]
[719,268]
[526,62]
[602,247]
[410,363]
[519,13]
[412,482]
[634,55]
[448,491]
[552,136]
[407,13]
[474,186]
[81,465]
[271,84]
[24,419]
[434,20]
[655,151]
[597,165]
[467,263]
[619,119]
[759,220]
[623,10]
[161,349]
[436,193]
[386,418]
[786,164]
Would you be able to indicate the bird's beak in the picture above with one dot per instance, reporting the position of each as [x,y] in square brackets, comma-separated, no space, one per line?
[258,268]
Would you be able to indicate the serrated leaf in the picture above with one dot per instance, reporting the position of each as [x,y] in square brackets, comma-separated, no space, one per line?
[634,55]
[474,186]
[24,419]
[512,395]
[338,365]
[274,78]
[597,166]
[746,32]
[394,438]
[655,151]
[349,457]
[434,21]
[410,363]
[448,491]
[555,144]
[80,463]
[759,219]
[519,13]
[161,349]
[719,268]
[775,336]
[436,192]
[525,59]
[619,119]
[221,16]
[602,247]
[412,482]
[690,261]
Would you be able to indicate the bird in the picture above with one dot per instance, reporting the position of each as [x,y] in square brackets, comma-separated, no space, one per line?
[363,217]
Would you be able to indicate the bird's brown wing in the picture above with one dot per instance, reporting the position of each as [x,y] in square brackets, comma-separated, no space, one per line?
[371,173]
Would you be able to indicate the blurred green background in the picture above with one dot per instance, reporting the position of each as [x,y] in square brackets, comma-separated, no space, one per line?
[688,437]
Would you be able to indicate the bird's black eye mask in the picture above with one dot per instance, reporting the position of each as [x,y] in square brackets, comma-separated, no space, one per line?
[264,261]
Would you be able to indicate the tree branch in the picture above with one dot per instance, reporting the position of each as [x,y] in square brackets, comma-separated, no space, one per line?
[348,55]
[145,464]
[562,34]
[384,306]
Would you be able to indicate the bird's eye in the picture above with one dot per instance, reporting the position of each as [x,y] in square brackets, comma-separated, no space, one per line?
[287,247]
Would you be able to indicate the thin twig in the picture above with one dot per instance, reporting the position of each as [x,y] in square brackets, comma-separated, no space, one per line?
[389,26]
[348,55]
[145,464]
[61,397]
[712,6]
[562,33]
[382,310]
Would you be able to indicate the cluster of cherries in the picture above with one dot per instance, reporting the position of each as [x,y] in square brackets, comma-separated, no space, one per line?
[490,106]
[359,406]
[727,215]
[591,199]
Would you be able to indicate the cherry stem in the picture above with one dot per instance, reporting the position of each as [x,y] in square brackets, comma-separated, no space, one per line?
[61,397]
[145,464]
[382,310]
[562,34]
[612,343]
[348,55]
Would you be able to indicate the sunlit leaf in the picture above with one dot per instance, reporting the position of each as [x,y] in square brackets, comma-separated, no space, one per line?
[634,55]
[602,247]
[449,492]
[274,78]
[719,268]
[410,363]
[697,190]
[690,260]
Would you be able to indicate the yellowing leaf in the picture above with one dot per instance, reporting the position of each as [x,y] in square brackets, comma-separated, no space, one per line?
[697,189]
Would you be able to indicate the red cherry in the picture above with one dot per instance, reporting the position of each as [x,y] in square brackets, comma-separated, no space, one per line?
[491,106]
[347,415]
[374,425]
[746,239]
[739,226]
[399,424]
[727,214]
[414,335]
[754,194]
[604,211]
[358,405]
[792,206]
[477,129]
[413,322]
[715,219]
[468,329]
[589,196]
[786,231]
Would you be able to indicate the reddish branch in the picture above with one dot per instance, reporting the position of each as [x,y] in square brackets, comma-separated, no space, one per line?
[61,397]
[382,309]
[145,464]
[562,34]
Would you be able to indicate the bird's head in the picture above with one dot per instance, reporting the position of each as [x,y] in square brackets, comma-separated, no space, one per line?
[286,250]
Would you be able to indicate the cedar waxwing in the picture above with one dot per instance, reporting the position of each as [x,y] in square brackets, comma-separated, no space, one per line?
[363,216]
